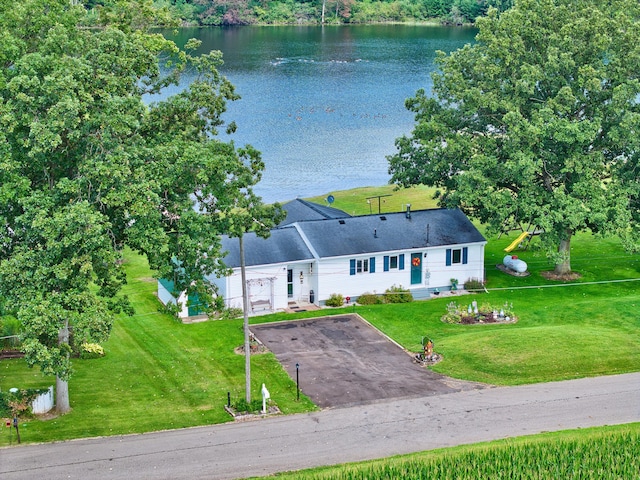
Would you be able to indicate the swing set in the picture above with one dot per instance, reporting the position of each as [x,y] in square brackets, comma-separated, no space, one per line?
[523,239]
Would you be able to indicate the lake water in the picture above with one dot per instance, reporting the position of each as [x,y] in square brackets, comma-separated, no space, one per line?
[324,105]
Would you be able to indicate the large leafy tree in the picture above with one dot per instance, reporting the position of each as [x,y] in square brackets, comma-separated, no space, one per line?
[537,123]
[87,169]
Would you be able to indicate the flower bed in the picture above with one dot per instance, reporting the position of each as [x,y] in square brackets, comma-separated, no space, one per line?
[473,314]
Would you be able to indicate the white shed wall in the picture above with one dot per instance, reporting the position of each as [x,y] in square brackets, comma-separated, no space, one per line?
[165,297]
[43,402]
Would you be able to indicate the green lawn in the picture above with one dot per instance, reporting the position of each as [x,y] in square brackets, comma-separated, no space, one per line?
[361,201]
[160,374]
[157,374]
[563,331]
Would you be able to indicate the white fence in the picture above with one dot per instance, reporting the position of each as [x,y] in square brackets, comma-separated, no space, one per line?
[43,402]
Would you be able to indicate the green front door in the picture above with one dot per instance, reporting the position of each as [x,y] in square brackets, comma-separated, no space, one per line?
[416,268]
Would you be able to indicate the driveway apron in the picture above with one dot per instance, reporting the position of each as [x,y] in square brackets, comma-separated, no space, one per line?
[343,360]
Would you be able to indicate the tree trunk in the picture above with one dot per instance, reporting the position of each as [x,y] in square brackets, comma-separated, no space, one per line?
[563,265]
[62,386]
[324,4]
[62,396]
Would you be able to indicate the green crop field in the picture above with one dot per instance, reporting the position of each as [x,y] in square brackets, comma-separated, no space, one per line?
[591,454]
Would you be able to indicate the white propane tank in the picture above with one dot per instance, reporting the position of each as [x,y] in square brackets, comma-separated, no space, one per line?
[512,262]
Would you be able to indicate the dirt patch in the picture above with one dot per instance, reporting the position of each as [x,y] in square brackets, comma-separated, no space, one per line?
[254,349]
[243,416]
[561,277]
[50,415]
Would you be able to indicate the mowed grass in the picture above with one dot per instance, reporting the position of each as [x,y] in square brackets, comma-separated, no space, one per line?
[588,454]
[361,201]
[157,374]
[160,374]
[583,328]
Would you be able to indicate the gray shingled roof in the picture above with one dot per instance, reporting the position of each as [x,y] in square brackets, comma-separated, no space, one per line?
[299,210]
[337,237]
[390,231]
[284,245]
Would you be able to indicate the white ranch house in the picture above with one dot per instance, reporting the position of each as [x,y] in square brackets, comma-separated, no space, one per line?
[318,251]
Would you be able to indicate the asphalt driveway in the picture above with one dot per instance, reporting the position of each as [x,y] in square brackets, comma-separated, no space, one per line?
[343,361]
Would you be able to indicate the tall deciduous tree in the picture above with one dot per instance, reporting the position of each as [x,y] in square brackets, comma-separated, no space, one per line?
[87,168]
[537,122]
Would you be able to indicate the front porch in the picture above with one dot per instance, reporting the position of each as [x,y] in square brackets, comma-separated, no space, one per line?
[300,306]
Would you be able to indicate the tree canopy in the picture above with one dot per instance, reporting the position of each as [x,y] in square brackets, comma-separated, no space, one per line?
[538,123]
[88,168]
[313,12]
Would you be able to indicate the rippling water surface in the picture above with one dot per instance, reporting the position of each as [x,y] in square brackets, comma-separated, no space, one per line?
[324,105]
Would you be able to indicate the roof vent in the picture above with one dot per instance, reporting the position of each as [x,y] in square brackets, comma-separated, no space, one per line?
[408,214]
[383,218]
[341,222]
[375,233]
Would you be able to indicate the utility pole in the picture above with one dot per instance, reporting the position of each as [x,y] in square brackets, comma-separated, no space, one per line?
[245,308]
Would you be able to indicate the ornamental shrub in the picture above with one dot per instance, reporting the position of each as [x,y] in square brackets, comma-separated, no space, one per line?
[230,313]
[335,300]
[474,285]
[397,294]
[91,350]
[18,403]
[241,406]
[453,314]
[369,299]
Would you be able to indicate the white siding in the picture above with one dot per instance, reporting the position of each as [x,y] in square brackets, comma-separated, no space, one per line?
[441,273]
[334,277]
[165,297]
[334,273]
[268,283]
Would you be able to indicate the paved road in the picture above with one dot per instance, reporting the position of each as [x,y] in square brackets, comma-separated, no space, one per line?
[335,435]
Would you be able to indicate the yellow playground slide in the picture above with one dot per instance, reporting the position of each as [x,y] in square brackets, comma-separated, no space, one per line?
[517,241]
